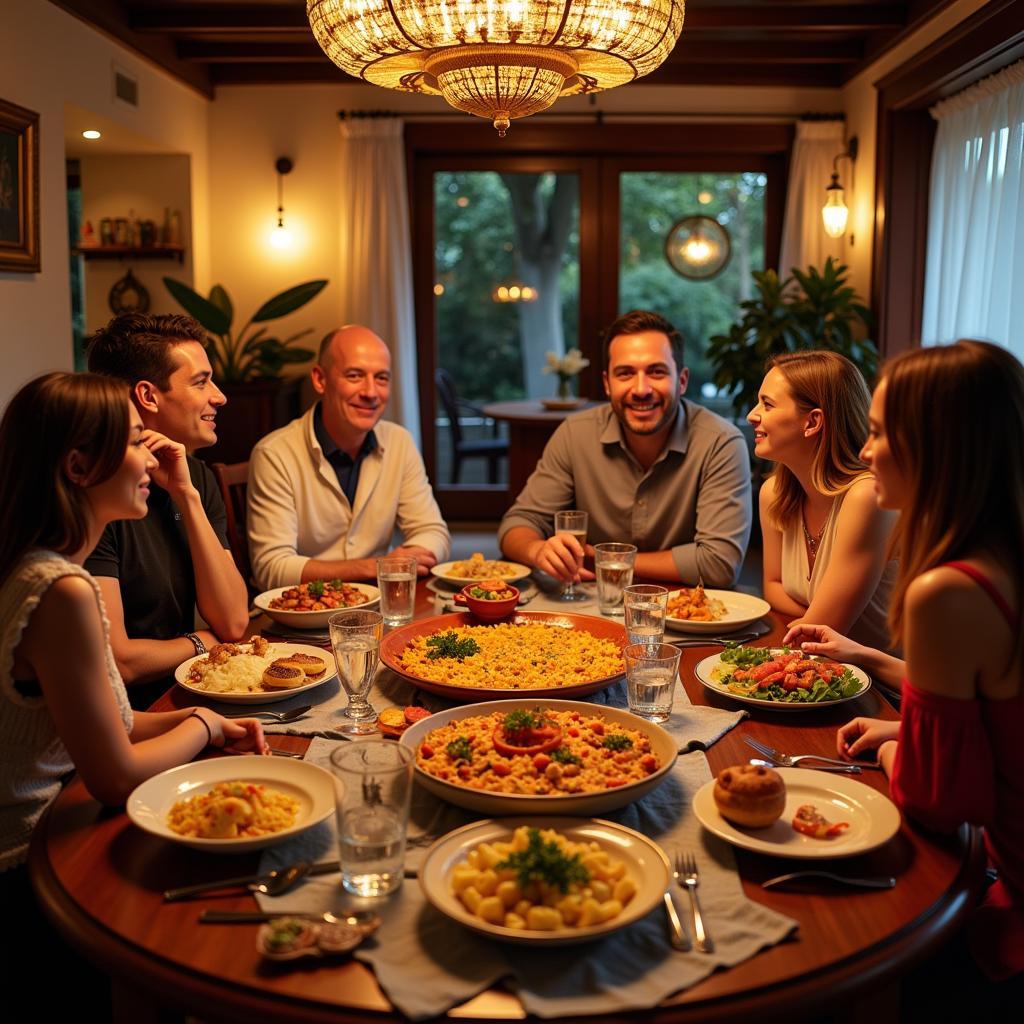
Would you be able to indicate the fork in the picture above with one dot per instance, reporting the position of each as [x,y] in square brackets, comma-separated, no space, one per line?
[789,761]
[687,875]
[277,716]
[708,641]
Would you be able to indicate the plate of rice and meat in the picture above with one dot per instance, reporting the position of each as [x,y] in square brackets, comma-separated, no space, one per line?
[479,568]
[712,612]
[535,654]
[310,605]
[258,672]
[233,804]
[539,756]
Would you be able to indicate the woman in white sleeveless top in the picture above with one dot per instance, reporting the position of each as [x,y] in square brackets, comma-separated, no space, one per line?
[825,538]
[74,457]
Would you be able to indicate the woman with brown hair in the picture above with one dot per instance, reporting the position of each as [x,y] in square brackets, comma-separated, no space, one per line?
[74,457]
[824,536]
[947,433]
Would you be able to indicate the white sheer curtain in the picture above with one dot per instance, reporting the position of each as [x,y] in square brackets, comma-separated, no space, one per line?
[376,252]
[974,271]
[804,242]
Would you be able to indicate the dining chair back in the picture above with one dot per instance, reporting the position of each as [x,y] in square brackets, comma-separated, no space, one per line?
[233,481]
[491,448]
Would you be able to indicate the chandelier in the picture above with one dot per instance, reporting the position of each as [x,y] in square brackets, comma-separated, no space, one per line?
[499,59]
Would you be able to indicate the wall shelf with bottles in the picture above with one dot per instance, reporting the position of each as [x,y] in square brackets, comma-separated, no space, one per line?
[123,252]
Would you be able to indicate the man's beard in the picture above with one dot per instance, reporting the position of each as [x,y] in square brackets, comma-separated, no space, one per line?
[669,415]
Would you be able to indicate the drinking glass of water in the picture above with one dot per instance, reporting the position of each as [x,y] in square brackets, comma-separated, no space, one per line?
[373,783]
[644,607]
[396,578]
[574,523]
[651,673]
[613,564]
[355,638]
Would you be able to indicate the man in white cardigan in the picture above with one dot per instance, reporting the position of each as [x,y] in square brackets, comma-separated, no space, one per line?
[327,491]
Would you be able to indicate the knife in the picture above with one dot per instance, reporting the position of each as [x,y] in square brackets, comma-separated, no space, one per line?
[323,868]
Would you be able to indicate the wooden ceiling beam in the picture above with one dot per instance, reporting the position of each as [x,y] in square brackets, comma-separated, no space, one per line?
[227,52]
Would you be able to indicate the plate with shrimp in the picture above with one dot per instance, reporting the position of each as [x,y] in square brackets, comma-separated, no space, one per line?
[696,610]
[781,679]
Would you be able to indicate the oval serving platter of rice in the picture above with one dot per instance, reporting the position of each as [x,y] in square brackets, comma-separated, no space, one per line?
[238,680]
[534,654]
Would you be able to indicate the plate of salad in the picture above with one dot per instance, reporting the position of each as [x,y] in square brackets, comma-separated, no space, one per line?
[781,678]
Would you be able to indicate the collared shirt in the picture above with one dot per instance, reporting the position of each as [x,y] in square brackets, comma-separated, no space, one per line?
[345,467]
[694,499]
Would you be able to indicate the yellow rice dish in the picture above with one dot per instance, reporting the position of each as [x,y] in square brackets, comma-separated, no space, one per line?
[479,568]
[542,881]
[233,810]
[526,656]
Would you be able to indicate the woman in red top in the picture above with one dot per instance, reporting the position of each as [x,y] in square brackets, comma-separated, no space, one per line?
[946,447]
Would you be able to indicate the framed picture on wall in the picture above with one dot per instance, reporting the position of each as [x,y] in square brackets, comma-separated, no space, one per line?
[19,188]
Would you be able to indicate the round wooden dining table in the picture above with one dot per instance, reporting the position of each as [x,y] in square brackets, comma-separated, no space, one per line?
[100,880]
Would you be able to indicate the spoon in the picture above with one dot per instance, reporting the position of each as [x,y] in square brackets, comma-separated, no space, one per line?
[277,716]
[864,883]
[853,769]
[356,917]
[273,883]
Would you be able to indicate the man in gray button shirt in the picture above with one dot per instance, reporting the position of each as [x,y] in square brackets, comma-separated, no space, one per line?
[651,468]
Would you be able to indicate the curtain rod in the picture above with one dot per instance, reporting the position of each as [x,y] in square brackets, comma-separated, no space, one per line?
[598,116]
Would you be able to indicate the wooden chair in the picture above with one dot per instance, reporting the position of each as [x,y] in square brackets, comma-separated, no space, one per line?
[489,448]
[233,481]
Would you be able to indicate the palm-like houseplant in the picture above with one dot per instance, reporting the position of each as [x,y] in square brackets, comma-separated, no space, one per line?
[248,354]
[822,312]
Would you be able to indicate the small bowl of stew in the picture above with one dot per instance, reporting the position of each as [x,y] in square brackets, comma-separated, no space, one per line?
[489,600]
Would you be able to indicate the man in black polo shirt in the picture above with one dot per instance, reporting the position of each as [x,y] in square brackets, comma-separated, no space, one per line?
[155,572]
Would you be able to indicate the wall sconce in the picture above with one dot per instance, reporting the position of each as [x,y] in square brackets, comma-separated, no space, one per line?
[835,212]
[280,237]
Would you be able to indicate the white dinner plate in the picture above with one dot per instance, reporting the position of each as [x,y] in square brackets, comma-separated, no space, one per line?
[705,673]
[313,787]
[663,746]
[310,620]
[443,572]
[644,861]
[278,649]
[740,610]
[873,818]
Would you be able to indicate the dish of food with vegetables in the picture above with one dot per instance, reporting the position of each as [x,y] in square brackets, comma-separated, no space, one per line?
[714,612]
[546,757]
[491,590]
[544,882]
[542,653]
[310,605]
[781,678]
[477,567]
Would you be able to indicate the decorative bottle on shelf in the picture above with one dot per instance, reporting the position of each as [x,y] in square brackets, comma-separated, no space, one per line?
[175,238]
[165,228]
[88,240]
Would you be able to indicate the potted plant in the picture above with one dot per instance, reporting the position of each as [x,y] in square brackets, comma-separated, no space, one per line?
[821,312]
[247,363]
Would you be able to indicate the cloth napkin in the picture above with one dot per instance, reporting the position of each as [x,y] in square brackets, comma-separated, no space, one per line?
[426,964]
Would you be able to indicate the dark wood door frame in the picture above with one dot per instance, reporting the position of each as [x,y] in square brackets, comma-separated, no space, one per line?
[982,44]
[598,153]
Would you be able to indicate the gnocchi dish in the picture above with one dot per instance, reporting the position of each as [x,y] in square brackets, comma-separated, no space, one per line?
[539,880]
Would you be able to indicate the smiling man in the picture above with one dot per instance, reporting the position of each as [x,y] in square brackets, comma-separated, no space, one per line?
[327,491]
[651,469]
[154,573]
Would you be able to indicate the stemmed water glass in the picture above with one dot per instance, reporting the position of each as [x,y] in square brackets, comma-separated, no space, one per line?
[574,523]
[355,638]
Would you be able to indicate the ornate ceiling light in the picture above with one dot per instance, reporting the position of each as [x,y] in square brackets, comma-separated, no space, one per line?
[499,59]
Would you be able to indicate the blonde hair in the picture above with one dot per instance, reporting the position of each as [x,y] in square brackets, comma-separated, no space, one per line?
[51,416]
[954,421]
[823,380]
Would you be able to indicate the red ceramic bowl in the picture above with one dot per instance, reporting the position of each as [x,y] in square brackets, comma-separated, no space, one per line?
[488,611]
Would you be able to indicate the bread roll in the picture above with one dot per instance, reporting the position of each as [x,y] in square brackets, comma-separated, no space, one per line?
[750,795]
[309,664]
[280,675]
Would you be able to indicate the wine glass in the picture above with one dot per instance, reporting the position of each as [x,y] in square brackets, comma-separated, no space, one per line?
[355,638]
[574,523]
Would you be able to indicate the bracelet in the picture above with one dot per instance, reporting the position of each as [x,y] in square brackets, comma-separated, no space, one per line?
[205,724]
[197,643]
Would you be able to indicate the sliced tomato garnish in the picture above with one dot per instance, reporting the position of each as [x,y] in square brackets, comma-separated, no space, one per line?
[527,741]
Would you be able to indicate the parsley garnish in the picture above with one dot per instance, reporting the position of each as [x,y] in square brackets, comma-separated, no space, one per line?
[563,756]
[545,862]
[316,588]
[460,749]
[448,645]
[617,742]
[518,723]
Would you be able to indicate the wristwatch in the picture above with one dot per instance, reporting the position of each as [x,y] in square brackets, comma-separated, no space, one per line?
[197,643]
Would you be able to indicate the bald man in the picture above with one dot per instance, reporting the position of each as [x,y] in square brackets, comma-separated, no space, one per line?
[327,491]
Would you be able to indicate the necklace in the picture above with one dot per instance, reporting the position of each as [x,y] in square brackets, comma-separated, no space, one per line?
[812,543]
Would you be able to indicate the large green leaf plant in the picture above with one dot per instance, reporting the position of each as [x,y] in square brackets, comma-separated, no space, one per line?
[248,354]
[822,311]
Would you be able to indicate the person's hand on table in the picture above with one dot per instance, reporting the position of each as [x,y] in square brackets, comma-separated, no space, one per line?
[823,640]
[425,560]
[862,735]
[241,735]
[561,556]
